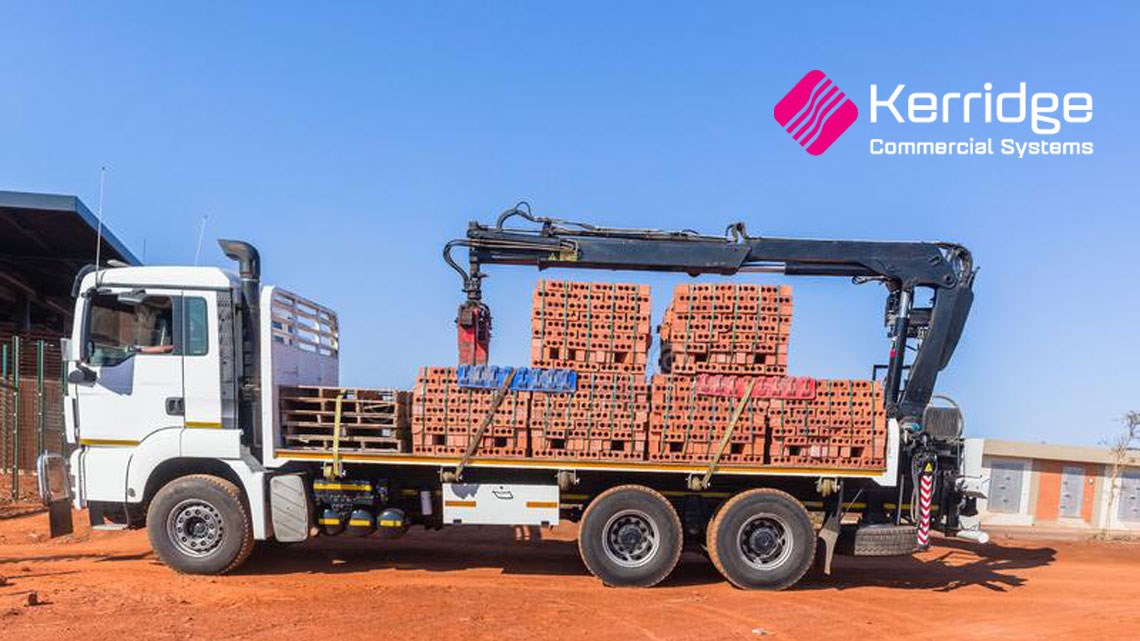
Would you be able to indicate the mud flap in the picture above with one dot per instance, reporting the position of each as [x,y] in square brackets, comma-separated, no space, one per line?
[829,534]
[289,508]
[59,518]
[55,491]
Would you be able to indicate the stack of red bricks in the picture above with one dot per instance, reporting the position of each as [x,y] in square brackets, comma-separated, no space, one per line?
[743,330]
[843,426]
[602,331]
[717,329]
[590,327]
[727,329]
[607,417]
[446,416]
[687,427]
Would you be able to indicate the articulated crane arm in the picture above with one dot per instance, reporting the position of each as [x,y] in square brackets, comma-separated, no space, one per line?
[946,269]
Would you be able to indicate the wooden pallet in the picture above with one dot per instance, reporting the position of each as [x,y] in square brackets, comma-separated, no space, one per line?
[371,419]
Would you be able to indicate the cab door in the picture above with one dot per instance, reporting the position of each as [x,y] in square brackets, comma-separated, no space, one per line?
[208,405]
[129,383]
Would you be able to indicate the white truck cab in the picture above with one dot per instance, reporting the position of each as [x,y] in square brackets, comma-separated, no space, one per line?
[162,366]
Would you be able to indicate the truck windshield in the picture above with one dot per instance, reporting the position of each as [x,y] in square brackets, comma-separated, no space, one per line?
[117,330]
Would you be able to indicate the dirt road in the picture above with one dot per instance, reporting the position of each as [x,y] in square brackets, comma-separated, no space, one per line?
[485,584]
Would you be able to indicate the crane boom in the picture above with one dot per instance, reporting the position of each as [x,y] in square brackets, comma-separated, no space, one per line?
[945,269]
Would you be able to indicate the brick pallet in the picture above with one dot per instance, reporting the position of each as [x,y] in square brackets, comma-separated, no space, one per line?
[687,427]
[446,416]
[607,417]
[371,419]
[843,426]
[727,329]
[602,327]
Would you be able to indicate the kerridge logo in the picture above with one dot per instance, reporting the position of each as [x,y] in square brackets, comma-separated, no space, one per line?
[815,112]
[1045,110]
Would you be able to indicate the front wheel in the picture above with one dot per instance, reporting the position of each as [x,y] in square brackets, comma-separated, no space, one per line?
[762,539]
[630,536]
[198,525]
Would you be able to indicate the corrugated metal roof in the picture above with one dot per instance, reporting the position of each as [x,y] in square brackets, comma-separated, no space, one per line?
[46,238]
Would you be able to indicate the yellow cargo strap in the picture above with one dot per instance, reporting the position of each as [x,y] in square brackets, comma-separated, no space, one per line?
[698,484]
[335,471]
[473,443]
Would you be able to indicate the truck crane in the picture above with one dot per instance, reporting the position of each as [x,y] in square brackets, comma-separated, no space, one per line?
[183,435]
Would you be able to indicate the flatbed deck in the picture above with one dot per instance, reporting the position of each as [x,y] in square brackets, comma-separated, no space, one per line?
[884,475]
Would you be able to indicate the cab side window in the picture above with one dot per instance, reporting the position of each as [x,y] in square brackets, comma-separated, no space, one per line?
[197,326]
[118,328]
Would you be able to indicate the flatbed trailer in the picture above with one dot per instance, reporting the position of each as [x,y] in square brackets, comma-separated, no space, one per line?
[174,381]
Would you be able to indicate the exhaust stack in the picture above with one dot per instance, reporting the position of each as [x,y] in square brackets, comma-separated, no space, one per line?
[249,267]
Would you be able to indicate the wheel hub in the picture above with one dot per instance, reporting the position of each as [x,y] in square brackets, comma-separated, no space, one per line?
[195,527]
[630,538]
[765,541]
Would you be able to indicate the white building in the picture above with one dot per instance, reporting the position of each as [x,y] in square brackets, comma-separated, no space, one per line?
[1034,484]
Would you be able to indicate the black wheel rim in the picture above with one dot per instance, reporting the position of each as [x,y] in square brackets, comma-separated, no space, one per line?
[630,538]
[765,541]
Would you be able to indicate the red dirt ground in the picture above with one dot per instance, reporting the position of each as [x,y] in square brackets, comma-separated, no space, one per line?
[482,583]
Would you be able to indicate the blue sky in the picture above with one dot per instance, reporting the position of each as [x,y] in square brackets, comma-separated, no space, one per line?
[350,141]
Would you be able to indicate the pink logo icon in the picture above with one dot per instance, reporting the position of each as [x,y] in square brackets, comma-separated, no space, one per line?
[815,112]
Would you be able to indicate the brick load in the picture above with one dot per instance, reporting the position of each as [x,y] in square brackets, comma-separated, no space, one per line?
[590,327]
[687,427]
[843,426]
[606,418]
[727,329]
[446,416]
[716,341]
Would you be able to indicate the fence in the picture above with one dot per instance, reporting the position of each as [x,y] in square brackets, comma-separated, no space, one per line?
[31,409]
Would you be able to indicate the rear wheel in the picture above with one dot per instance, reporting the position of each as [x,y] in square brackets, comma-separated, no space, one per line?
[630,536]
[198,525]
[762,539]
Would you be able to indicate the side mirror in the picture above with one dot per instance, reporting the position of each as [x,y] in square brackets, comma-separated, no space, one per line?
[81,376]
[67,350]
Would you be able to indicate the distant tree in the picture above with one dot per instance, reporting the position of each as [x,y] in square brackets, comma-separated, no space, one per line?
[1123,450]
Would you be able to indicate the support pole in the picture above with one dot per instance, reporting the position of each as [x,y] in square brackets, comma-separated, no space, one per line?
[5,449]
[40,400]
[16,419]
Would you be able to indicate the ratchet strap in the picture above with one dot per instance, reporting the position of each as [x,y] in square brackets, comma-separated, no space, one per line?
[336,470]
[703,482]
[477,437]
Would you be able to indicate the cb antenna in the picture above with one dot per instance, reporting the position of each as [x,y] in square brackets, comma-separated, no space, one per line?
[201,232]
[99,226]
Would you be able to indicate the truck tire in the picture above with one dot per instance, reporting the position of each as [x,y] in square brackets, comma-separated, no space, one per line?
[878,540]
[630,536]
[762,539]
[198,524]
